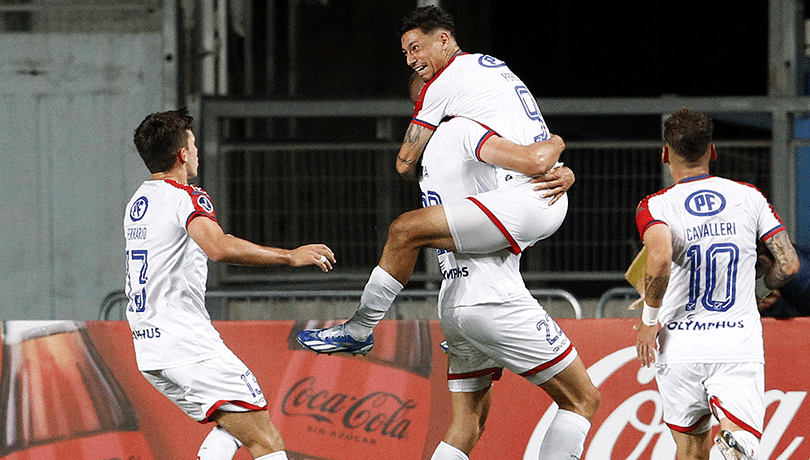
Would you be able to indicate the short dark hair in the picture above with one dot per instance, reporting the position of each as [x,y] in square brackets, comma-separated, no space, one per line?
[428,19]
[160,135]
[688,133]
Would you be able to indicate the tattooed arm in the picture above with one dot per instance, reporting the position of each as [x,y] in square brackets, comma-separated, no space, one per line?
[786,261]
[410,154]
[658,240]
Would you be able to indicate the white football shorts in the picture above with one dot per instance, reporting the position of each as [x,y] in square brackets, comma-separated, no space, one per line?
[219,383]
[691,393]
[520,216]
[520,336]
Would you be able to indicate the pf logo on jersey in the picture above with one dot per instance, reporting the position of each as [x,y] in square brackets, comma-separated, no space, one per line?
[489,61]
[705,203]
[138,209]
[205,203]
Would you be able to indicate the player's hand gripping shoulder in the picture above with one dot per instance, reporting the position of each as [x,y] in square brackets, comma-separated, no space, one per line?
[555,183]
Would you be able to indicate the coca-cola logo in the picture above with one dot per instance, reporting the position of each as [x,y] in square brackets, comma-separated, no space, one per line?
[635,433]
[379,412]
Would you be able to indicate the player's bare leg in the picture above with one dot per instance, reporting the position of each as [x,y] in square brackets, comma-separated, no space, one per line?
[693,446]
[470,412]
[254,429]
[408,234]
[573,390]
[578,399]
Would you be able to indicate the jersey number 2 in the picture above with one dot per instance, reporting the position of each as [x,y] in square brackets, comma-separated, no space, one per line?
[550,327]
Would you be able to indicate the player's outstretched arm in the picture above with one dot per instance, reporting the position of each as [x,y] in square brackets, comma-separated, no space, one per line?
[229,249]
[532,160]
[786,261]
[410,154]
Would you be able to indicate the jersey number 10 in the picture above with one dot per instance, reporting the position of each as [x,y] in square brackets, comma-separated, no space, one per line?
[713,276]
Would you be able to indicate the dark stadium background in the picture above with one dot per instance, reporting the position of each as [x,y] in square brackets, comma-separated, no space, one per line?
[559,48]
[349,49]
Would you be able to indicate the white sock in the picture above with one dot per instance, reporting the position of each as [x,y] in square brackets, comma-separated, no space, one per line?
[280,455]
[378,295]
[218,445]
[747,441]
[445,451]
[565,437]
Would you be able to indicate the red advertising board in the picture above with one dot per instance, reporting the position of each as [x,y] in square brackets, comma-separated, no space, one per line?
[72,391]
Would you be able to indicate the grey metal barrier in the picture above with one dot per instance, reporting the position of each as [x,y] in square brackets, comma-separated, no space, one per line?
[325,304]
[618,294]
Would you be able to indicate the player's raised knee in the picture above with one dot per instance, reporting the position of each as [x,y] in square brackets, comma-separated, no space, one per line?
[405,229]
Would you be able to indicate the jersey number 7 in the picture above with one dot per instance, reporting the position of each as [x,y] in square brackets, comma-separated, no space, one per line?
[137,256]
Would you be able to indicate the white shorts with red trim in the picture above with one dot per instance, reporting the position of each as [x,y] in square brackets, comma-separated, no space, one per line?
[520,336]
[219,383]
[520,216]
[691,393]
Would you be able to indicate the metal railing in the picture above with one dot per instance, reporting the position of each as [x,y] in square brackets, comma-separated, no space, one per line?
[620,297]
[287,305]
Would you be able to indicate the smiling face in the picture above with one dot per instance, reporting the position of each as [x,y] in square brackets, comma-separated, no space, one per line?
[427,54]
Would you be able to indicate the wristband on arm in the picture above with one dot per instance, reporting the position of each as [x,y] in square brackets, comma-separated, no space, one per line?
[649,315]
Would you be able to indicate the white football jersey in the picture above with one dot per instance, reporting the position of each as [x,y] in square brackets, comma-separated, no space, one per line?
[482,88]
[166,274]
[451,171]
[709,312]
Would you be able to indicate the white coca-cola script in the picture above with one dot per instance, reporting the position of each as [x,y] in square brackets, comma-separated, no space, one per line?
[624,418]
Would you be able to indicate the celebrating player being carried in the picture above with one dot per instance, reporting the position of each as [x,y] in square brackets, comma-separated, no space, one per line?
[514,216]
[701,238]
[171,231]
[488,315]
